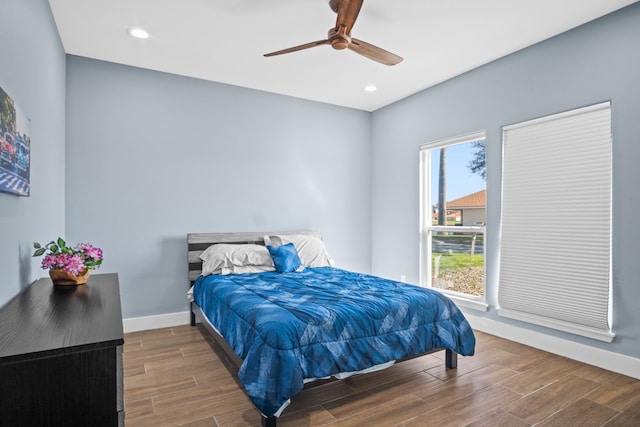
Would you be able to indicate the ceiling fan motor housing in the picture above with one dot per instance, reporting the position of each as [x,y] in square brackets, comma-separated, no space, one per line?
[338,38]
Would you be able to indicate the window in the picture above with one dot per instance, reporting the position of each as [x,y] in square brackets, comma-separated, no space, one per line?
[453,216]
[555,262]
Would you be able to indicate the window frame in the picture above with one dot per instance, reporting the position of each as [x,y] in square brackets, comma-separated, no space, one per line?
[427,228]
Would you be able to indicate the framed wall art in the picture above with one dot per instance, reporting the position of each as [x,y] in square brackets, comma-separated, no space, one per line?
[15,147]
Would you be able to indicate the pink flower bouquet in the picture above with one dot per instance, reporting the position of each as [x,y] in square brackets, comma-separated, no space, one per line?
[76,260]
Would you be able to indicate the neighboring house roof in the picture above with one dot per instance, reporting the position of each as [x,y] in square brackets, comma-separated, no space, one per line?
[473,200]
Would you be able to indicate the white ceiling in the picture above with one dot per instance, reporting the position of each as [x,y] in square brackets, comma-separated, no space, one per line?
[224,40]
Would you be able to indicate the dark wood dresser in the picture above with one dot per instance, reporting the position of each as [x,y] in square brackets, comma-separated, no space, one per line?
[61,355]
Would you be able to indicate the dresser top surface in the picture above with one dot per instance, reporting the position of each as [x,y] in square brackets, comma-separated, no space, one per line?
[46,318]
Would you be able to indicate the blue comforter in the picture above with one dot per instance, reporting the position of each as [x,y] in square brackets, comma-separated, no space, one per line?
[291,326]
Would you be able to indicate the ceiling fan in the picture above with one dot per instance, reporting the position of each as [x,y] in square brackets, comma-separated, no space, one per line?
[339,37]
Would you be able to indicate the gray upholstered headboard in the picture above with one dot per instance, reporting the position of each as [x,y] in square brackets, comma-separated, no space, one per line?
[198,242]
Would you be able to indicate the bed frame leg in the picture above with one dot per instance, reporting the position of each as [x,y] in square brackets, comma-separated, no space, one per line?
[193,315]
[269,421]
[451,359]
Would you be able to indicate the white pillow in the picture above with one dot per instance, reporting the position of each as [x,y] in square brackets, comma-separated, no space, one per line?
[224,258]
[242,269]
[311,249]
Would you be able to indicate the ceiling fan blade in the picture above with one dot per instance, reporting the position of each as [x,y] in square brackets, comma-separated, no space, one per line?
[374,52]
[297,48]
[348,11]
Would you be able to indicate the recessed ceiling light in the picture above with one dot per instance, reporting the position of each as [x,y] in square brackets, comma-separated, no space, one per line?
[371,88]
[138,33]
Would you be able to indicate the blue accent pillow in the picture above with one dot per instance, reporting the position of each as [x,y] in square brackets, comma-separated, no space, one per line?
[285,258]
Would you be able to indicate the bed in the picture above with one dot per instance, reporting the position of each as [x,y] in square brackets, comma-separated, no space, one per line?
[287,317]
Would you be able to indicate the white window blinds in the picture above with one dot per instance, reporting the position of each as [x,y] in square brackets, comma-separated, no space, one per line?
[556,222]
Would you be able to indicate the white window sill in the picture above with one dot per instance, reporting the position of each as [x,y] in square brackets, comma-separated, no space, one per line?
[466,302]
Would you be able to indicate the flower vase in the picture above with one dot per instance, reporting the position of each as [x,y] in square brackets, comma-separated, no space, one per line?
[63,277]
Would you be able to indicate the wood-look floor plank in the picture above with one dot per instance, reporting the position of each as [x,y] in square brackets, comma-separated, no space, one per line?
[467,409]
[194,348]
[175,410]
[594,373]
[148,334]
[498,418]
[161,420]
[147,356]
[619,393]
[629,417]
[314,416]
[132,343]
[245,417]
[527,360]
[140,389]
[221,393]
[443,393]
[212,406]
[370,398]
[131,368]
[139,408]
[391,413]
[584,413]
[215,376]
[539,405]
[188,365]
[541,375]
[204,422]
[492,341]
[169,338]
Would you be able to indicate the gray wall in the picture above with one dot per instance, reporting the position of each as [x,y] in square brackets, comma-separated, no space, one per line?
[153,156]
[33,74]
[594,63]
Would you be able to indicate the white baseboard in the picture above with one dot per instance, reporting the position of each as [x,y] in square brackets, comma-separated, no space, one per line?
[615,362]
[155,322]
